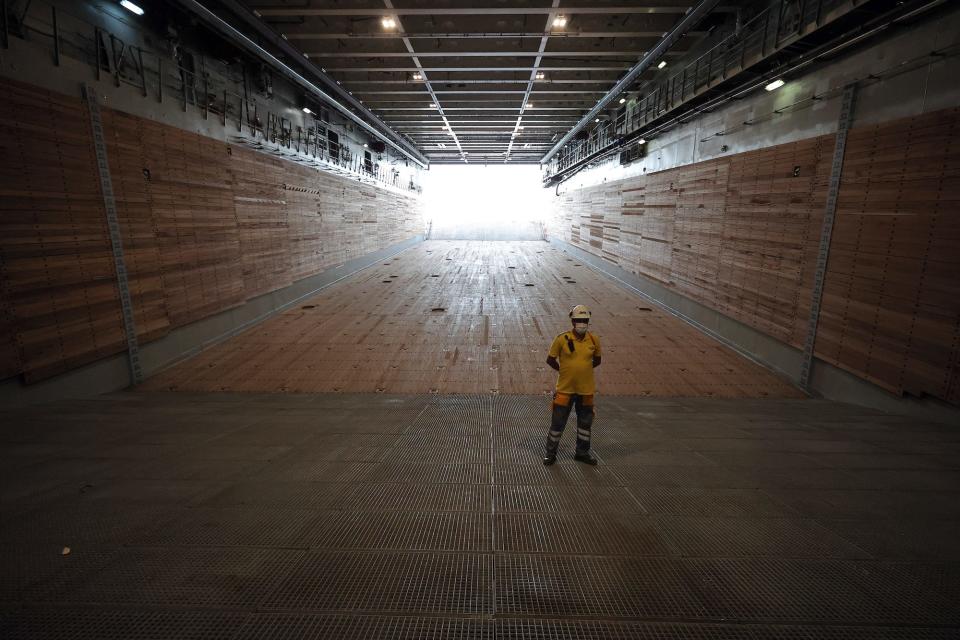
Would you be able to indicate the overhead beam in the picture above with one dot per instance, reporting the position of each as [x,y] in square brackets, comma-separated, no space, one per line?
[480,35]
[472,69]
[477,54]
[468,11]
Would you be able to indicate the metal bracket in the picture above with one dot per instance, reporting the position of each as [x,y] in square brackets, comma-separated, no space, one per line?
[829,215]
[116,240]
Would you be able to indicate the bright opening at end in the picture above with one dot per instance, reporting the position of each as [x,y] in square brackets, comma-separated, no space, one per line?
[499,202]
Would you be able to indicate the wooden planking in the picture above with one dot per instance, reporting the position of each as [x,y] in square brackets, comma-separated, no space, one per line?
[206,226]
[457,317]
[891,312]
[131,185]
[733,233]
[58,265]
[740,235]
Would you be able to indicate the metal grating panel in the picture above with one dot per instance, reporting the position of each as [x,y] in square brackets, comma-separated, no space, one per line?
[419,497]
[277,626]
[449,531]
[382,582]
[565,499]
[235,526]
[687,476]
[189,577]
[679,501]
[728,537]
[431,473]
[778,590]
[280,495]
[598,587]
[52,623]
[564,472]
[612,534]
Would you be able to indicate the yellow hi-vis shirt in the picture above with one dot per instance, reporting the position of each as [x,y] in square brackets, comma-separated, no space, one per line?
[576,368]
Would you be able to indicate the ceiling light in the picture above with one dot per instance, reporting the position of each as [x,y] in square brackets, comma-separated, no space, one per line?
[529,105]
[622,100]
[433,105]
[596,119]
[776,84]
[388,22]
[129,6]
[441,145]
[307,110]
[541,75]
[364,145]
[520,128]
[560,22]
[642,141]
[662,64]
[417,75]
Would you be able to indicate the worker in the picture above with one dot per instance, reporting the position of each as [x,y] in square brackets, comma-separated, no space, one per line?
[574,354]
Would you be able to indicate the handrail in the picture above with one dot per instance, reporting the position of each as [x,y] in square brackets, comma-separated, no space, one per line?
[770,30]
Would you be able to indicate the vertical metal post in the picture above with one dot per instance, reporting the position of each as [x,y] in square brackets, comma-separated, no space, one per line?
[183,85]
[116,239]
[766,28]
[159,79]
[203,70]
[224,120]
[56,36]
[6,26]
[96,46]
[143,71]
[847,105]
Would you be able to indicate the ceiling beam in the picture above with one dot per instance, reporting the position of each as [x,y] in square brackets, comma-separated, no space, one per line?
[468,11]
[474,69]
[479,35]
[632,55]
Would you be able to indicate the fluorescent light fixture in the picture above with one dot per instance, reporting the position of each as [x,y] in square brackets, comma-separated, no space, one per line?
[433,105]
[529,105]
[388,22]
[541,75]
[662,64]
[129,6]
[622,100]
[560,22]
[776,84]
[307,110]
[642,141]
[417,75]
[520,128]
[441,145]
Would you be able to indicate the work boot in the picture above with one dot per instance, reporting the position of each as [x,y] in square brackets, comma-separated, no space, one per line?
[549,459]
[586,458]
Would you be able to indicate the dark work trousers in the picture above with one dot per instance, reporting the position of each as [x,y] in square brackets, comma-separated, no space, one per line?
[563,403]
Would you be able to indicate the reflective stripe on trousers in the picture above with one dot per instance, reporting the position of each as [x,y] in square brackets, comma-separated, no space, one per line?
[563,403]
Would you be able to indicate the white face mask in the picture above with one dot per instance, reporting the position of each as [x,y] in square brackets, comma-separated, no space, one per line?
[581,329]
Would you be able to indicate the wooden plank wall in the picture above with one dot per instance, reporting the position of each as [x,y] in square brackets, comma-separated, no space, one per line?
[740,234]
[205,225]
[891,311]
[732,233]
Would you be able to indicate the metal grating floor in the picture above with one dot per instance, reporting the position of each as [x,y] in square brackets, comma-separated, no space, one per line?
[431,517]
